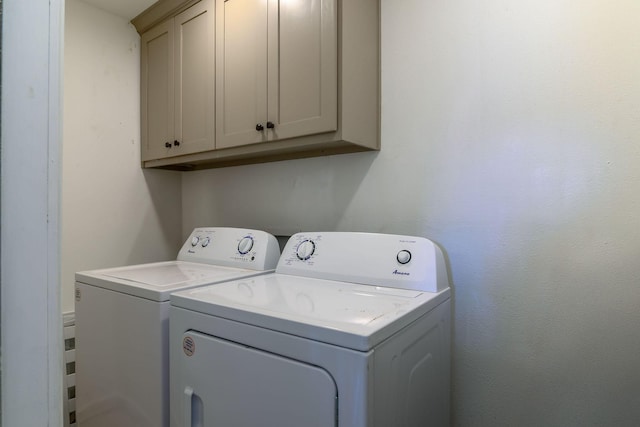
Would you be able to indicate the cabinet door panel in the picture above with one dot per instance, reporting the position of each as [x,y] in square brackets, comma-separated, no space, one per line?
[157,91]
[303,68]
[241,71]
[195,81]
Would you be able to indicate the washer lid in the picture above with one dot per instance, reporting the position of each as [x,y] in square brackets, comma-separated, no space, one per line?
[344,314]
[156,281]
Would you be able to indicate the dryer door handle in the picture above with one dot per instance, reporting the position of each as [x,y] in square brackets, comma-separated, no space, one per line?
[188,406]
[193,410]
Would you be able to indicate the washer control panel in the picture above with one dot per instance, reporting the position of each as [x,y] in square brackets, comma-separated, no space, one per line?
[405,262]
[232,247]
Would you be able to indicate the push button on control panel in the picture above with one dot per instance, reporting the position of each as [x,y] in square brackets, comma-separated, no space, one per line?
[404,256]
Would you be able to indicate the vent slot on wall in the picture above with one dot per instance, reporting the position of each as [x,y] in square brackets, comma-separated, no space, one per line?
[69,381]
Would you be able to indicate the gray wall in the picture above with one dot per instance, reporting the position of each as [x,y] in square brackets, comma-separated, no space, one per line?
[510,137]
[113,212]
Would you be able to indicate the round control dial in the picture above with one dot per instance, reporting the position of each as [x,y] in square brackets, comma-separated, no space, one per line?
[195,240]
[245,245]
[404,256]
[205,242]
[305,250]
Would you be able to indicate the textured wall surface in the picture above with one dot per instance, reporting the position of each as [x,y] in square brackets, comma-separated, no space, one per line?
[510,136]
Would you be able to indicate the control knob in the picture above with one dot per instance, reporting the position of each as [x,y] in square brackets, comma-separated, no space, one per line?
[305,249]
[194,240]
[245,245]
[205,242]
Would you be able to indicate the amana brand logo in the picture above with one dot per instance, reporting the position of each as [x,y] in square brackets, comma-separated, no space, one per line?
[401,273]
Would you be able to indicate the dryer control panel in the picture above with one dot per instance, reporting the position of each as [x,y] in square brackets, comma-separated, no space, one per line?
[231,247]
[404,262]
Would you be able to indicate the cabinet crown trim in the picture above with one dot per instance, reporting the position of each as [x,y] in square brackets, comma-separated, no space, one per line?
[158,12]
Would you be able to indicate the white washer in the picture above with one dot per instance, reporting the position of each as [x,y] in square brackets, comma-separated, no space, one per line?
[352,329]
[122,323]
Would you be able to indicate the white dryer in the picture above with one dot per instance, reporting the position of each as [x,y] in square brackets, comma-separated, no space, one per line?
[122,323]
[353,330]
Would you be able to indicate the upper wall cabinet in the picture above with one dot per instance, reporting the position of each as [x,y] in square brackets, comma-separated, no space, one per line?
[276,70]
[293,78]
[177,84]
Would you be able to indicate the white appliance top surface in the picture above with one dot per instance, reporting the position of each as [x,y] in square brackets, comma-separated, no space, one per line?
[340,313]
[167,274]
[156,281]
[209,255]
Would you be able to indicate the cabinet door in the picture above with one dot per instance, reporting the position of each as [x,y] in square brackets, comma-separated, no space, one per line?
[157,91]
[303,68]
[194,76]
[241,71]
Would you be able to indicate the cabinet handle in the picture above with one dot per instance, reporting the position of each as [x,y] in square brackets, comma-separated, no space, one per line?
[176,143]
[270,125]
[259,127]
[167,144]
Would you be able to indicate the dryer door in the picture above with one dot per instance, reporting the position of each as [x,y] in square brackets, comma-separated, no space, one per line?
[228,384]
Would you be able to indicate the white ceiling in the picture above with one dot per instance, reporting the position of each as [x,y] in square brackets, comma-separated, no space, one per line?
[127,9]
